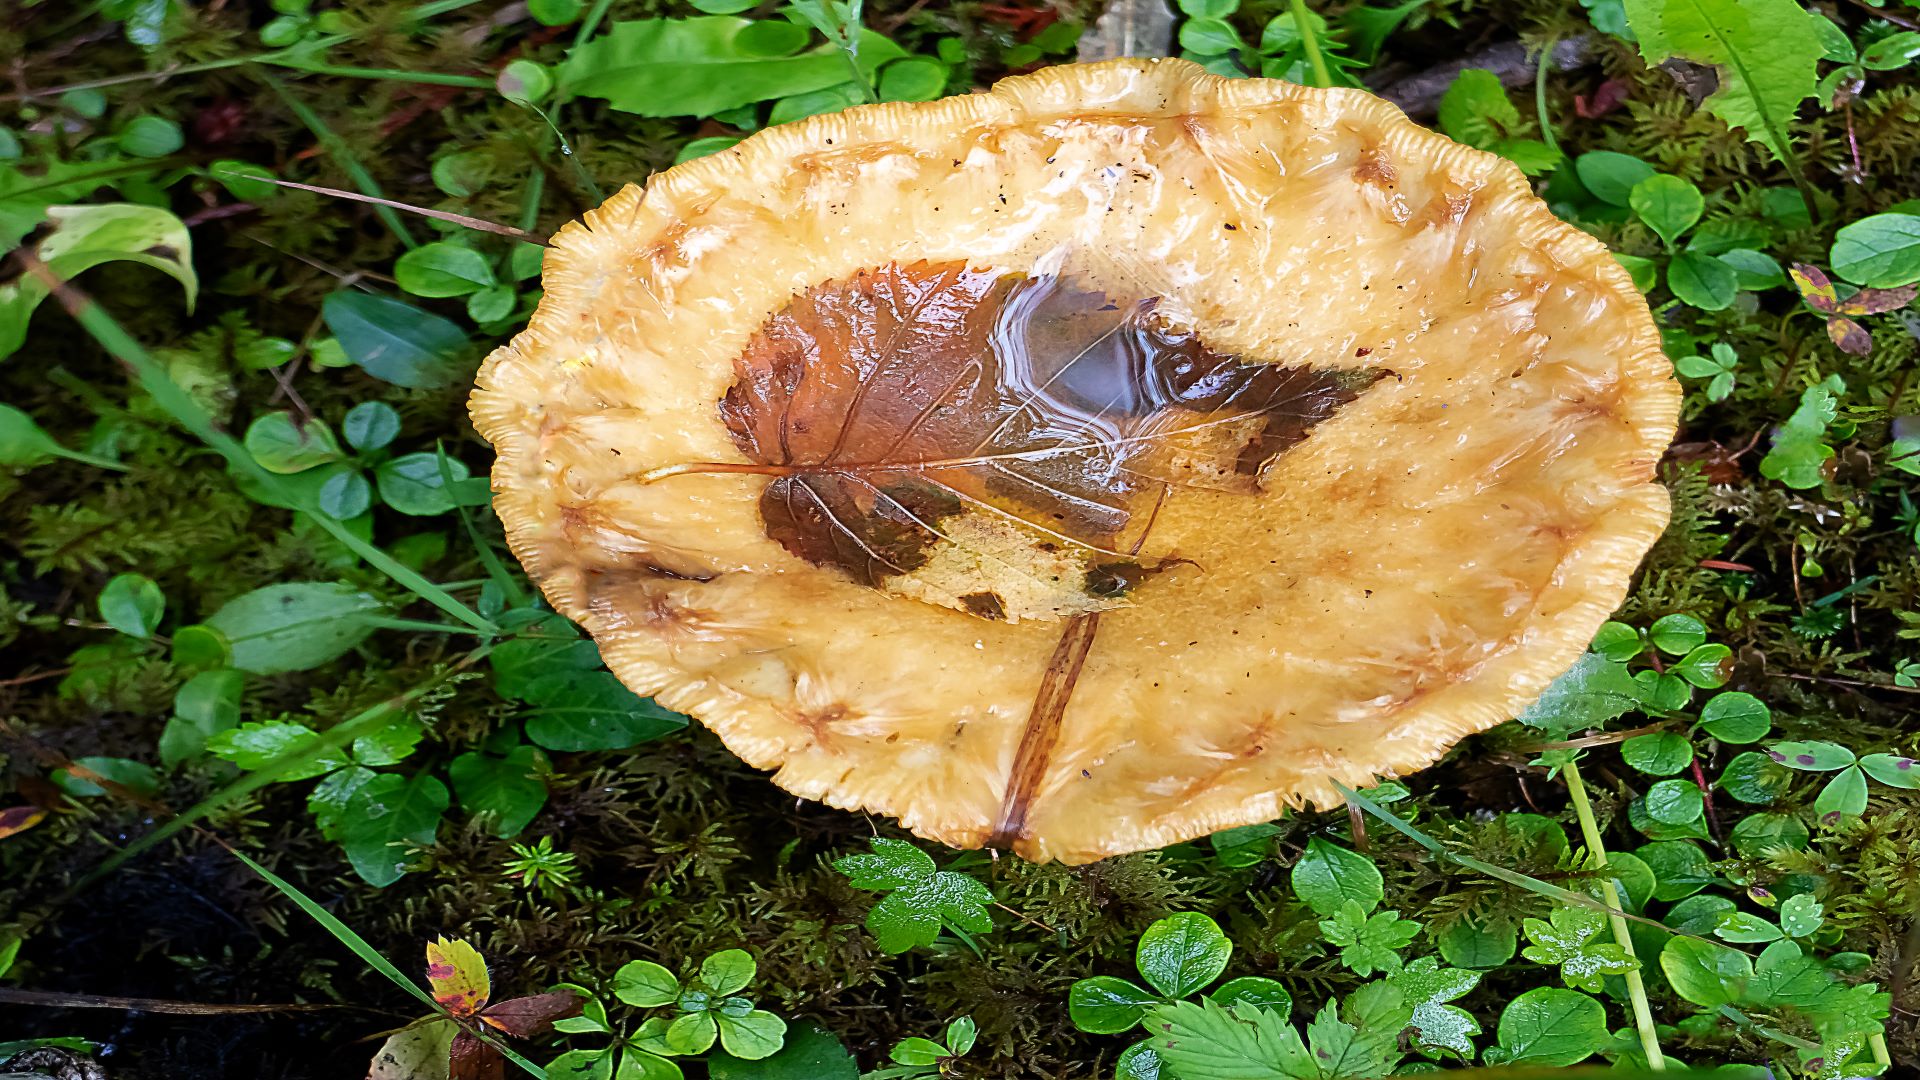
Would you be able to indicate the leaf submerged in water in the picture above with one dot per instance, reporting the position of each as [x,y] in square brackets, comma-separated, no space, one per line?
[995,442]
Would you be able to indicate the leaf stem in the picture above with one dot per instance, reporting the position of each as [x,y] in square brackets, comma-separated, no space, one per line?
[1597,854]
[1540,95]
[1310,39]
[1878,1041]
[86,459]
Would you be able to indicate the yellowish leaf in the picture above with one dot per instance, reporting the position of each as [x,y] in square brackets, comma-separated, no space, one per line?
[458,975]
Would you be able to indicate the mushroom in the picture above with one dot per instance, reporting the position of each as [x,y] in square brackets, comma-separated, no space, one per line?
[1118,456]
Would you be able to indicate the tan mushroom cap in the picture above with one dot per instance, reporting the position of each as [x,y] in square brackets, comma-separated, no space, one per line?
[1417,568]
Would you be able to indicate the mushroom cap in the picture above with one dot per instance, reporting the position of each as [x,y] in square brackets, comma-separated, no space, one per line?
[1417,564]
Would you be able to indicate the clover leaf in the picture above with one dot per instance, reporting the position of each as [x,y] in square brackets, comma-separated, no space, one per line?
[921,897]
[1567,938]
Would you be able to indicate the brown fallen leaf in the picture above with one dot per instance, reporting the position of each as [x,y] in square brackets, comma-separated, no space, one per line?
[983,440]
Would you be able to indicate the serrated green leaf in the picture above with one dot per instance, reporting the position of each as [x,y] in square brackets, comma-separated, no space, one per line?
[1593,691]
[1765,52]
[385,817]
[1202,1041]
[921,899]
[510,787]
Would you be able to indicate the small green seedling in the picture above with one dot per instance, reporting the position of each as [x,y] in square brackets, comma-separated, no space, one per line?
[914,1059]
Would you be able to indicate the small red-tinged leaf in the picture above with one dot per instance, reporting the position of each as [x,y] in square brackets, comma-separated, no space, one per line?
[471,1059]
[1849,335]
[1607,98]
[415,1053]
[1879,301]
[532,1016]
[18,819]
[458,975]
[1815,288]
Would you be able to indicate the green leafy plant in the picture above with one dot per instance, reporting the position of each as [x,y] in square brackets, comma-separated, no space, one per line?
[1846,794]
[1765,53]
[921,898]
[1800,450]
[1289,47]
[707,1007]
[1476,110]
[1177,957]
[915,1057]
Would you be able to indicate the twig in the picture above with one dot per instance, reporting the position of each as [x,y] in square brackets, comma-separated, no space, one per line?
[1837,681]
[15,996]
[478,224]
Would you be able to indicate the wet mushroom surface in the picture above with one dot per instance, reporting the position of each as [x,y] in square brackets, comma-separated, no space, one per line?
[1089,465]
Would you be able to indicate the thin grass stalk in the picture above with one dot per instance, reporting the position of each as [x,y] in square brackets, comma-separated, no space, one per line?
[428,78]
[343,156]
[1303,21]
[373,958]
[1597,855]
[1543,65]
[153,378]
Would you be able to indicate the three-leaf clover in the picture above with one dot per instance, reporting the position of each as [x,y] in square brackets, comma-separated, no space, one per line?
[708,1007]
[921,897]
[1717,367]
[1820,294]
[1368,943]
[1846,794]
[1567,938]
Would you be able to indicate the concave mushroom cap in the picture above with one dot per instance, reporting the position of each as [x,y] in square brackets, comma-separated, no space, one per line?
[1089,465]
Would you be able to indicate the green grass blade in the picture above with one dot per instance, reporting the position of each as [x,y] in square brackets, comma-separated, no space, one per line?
[1531,884]
[153,378]
[359,946]
[344,156]
[497,571]
[341,931]
[430,78]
